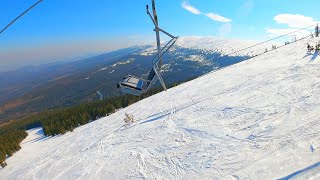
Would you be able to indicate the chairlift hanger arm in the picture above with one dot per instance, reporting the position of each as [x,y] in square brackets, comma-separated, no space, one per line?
[154,22]
[156,25]
[156,61]
[159,77]
[155,64]
[165,49]
[168,34]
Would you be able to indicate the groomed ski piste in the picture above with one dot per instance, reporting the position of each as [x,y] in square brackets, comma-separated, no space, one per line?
[258,119]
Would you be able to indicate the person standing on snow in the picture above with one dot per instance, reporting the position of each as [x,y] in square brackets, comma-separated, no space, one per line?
[308,47]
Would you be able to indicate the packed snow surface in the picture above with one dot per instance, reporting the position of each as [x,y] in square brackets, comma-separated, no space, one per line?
[259,119]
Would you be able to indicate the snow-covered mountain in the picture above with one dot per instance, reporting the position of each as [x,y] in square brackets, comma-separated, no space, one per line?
[223,45]
[50,86]
[258,119]
[210,44]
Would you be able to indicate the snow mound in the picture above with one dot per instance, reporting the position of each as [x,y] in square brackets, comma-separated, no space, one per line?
[258,119]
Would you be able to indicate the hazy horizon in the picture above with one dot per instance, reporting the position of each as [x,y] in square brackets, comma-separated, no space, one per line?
[60,30]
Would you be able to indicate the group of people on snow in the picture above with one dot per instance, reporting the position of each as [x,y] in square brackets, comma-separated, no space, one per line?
[311,48]
[317,46]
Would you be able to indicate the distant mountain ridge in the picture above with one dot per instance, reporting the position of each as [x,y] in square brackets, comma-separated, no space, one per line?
[219,45]
[65,84]
[26,78]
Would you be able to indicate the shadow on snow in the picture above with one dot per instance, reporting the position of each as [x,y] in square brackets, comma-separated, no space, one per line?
[300,171]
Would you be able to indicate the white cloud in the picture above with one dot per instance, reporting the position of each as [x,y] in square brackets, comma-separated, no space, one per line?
[190,8]
[218,18]
[295,20]
[194,10]
[225,29]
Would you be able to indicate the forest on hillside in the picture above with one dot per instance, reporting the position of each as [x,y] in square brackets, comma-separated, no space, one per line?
[60,121]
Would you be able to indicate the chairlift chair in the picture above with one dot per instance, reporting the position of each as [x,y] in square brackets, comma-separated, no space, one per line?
[133,85]
[137,86]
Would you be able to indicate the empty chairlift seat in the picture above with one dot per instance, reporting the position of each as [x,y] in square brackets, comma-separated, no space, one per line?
[137,86]
[133,85]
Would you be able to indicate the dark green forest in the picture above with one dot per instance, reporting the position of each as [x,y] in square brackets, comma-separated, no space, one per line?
[60,121]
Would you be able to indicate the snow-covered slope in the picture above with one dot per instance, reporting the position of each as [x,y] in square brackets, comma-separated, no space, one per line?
[259,119]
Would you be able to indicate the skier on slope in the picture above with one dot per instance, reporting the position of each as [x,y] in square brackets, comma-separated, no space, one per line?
[308,47]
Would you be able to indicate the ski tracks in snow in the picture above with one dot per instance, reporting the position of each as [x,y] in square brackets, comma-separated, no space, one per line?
[258,119]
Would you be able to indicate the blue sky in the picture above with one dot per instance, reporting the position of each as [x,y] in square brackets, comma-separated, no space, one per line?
[68,29]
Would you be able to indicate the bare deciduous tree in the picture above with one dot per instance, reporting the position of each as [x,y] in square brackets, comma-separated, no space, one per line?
[128,119]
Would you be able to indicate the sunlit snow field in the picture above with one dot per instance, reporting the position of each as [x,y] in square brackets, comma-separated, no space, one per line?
[259,119]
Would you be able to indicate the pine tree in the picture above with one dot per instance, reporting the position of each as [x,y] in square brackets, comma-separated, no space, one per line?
[2,154]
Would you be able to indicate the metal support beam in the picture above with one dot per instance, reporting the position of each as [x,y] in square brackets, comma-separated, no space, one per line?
[155,16]
[157,64]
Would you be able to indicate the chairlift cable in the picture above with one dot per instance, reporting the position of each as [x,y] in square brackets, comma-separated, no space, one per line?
[270,40]
[168,76]
[25,12]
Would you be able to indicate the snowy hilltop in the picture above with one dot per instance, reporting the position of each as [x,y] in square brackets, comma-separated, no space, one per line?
[258,119]
[223,46]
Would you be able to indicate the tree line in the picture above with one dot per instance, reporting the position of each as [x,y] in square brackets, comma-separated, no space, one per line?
[60,121]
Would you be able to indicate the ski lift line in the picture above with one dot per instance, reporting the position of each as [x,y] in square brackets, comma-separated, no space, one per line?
[25,12]
[233,64]
[253,56]
[270,40]
[254,46]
